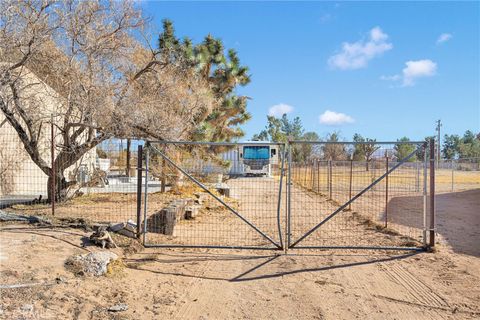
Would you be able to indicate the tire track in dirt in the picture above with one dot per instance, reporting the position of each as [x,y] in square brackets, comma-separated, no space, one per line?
[417,288]
[192,291]
[420,293]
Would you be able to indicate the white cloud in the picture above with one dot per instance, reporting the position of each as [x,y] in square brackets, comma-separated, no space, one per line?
[356,55]
[414,70]
[279,109]
[332,118]
[418,69]
[444,37]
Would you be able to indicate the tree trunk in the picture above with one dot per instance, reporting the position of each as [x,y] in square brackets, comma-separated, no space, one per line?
[59,186]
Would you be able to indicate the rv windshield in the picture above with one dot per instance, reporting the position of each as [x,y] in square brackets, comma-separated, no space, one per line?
[256,152]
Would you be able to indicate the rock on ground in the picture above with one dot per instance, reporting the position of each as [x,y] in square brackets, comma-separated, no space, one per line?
[118,307]
[93,263]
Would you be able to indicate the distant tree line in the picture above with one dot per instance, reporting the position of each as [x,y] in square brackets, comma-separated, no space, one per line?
[467,146]
[283,129]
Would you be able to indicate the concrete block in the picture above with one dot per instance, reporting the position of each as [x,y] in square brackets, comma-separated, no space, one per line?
[191,211]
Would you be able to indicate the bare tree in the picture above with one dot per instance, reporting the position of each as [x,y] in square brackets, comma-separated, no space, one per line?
[79,60]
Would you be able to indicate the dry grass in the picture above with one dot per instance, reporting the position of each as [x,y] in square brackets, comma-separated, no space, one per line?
[116,269]
[462,177]
[401,178]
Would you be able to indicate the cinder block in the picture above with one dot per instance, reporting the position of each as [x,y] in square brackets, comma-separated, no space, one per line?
[191,211]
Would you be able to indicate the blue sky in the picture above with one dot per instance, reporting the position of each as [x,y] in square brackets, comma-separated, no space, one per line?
[382,69]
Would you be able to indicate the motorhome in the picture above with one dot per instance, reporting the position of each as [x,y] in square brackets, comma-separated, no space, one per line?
[258,157]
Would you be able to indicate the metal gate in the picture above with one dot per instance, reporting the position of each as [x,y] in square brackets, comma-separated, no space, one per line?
[298,195]
[216,195]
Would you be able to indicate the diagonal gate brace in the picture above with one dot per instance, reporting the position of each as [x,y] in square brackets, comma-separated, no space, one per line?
[340,209]
[201,185]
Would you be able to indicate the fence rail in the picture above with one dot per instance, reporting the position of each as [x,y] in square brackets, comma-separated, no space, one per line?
[243,206]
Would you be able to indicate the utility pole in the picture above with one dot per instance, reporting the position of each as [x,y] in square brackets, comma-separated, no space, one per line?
[439,124]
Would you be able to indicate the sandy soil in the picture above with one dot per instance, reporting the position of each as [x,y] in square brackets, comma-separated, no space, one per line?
[247,284]
[205,284]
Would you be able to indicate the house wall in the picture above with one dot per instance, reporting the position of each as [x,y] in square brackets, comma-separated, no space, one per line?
[19,175]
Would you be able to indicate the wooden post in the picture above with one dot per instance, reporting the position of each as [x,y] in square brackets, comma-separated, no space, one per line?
[386,191]
[432,192]
[139,188]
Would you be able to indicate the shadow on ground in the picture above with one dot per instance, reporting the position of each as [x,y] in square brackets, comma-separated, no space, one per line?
[238,268]
[457,218]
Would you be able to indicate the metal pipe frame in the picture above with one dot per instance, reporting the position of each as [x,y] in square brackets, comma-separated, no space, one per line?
[425,170]
[353,142]
[286,242]
[187,246]
[145,205]
[139,188]
[214,196]
[280,199]
[354,198]
[289,196]
[432,193]
[213,143]
[359,248]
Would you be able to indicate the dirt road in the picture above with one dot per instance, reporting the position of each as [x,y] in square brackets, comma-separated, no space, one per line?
[241,284]
[236,285]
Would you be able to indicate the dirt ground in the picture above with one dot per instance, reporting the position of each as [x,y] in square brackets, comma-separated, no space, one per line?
[250,284]
[176,284]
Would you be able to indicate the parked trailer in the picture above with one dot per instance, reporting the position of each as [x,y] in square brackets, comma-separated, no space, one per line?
[257,157]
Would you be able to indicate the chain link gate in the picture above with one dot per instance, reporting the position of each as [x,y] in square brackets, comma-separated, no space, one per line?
[298,195]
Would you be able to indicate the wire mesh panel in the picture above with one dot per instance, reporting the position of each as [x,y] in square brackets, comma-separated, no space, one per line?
[107,187]
[99,184]
[356,194]
[458,175]
[21,180]
[215,195]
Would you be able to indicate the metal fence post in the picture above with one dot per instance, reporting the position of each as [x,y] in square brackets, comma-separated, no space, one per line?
[289,196]
[145,205]
[305,173]
[314,164]
[163,179]
[350,183]
[417,185]
[52,153]
[139,188]
[452,176]
[330,179]
[425,169]
[432,192]
[386,191]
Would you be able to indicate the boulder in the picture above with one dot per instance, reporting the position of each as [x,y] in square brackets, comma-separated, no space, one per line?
[92,264]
